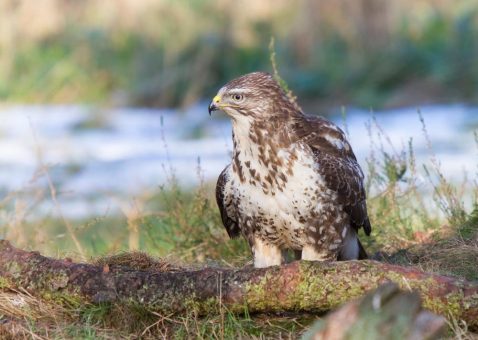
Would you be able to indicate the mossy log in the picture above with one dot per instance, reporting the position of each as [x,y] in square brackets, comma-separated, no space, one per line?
[298,286]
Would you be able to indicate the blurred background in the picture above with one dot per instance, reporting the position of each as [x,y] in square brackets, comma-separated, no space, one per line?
[103,104]
[161,53]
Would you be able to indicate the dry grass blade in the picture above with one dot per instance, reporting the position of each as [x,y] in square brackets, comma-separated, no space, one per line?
[53,193]
[21,304]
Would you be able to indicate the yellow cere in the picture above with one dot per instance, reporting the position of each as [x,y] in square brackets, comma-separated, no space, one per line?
[216,99]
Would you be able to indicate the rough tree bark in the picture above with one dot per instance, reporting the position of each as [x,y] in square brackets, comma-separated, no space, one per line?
[298,286]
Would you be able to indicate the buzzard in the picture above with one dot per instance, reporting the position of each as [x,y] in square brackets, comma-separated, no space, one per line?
[293,181]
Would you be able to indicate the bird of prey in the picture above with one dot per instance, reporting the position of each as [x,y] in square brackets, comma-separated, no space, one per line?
[293,181]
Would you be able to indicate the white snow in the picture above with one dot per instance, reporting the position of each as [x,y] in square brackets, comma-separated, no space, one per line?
[130,151]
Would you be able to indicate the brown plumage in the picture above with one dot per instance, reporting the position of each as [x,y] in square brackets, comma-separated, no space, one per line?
[293,182]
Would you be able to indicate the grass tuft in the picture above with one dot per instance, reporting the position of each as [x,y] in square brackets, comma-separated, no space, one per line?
[136,260]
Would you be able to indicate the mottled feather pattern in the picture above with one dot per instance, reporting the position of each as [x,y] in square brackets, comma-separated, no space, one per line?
[339,167]
[294,181]
[224,203]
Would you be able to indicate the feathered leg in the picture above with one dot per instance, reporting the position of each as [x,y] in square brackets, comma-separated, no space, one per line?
[266,254]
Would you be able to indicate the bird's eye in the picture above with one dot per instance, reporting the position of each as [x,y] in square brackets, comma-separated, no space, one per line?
[237,97]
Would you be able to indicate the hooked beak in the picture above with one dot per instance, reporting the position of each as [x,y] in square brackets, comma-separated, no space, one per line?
[214,106]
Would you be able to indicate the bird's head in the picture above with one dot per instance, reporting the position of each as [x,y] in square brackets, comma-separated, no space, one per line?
[256,95]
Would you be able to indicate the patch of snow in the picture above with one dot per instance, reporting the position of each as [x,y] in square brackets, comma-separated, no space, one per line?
[130,153]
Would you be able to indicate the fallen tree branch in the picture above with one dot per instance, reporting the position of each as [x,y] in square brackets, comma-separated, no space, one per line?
[298,286]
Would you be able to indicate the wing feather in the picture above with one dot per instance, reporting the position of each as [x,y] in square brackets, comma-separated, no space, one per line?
[223,201]
[337,165]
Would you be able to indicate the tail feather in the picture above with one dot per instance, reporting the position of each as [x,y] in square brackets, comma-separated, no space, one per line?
[362,253]
[352,249]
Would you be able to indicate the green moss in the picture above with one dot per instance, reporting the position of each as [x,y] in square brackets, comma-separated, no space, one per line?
[4,283]
[48,280]
[14,270]
[255,293]
[448,307]
[70,300]
[317,287]
[209,306]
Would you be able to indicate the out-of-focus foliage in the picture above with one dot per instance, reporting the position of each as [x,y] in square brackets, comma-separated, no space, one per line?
[165,53]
